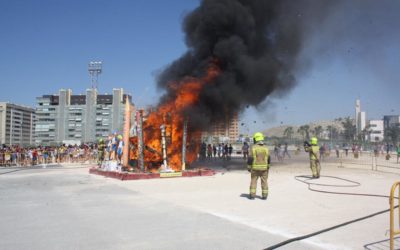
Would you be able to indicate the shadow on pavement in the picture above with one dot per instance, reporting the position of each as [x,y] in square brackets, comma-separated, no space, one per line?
[221,165]
[247,196]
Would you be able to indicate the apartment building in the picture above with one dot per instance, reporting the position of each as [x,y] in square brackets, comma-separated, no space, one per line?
[17,124]
[376,130]
[391,121]
[225,131]
[68,118]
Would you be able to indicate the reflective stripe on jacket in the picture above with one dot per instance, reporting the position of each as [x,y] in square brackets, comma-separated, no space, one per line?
[260,156]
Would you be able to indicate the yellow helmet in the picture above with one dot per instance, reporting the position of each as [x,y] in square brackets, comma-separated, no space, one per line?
[258,137]
[314,141]
[101,140]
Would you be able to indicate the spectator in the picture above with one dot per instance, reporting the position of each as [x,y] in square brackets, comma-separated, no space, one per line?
[203,151]
[226,151]
[219,150]
[322,152]
[230,150]
[286,151]
[398,153]
[209,152]
[337,150]
[214,151]
[245,150]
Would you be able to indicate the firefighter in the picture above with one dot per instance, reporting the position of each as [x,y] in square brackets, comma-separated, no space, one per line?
[258,165]
[100,149]
[313,150]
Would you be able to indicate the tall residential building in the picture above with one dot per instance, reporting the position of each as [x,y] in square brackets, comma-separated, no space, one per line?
[360,118]
[227,130]
[358,110]
[376,130]
[17,124]
[68,118]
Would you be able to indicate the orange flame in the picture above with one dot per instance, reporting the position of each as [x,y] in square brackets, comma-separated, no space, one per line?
[171,114]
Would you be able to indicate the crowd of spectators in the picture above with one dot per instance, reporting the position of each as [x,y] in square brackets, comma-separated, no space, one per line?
[213,151]
[30,156]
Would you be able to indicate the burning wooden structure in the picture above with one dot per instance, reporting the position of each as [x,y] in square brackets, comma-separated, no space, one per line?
[163,137]
[162,143]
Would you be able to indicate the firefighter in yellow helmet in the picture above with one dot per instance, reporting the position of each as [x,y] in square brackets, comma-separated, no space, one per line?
[100,151]
[258,165]
[313,150]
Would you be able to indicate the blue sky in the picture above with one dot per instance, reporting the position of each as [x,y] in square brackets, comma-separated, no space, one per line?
[46,45]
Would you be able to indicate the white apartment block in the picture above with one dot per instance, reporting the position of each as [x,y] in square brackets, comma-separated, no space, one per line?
[360,118]
[17,124]
[376,130]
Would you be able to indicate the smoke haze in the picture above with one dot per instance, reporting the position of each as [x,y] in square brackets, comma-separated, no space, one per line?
[256,44]
[361,34]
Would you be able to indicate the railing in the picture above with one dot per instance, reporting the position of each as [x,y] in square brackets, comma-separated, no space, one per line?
[365,159]
[393,231]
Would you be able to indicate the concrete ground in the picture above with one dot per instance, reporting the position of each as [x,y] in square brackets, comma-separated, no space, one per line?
[64,207]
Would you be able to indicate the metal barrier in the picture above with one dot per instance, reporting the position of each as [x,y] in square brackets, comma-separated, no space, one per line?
[370,160]
[393,232]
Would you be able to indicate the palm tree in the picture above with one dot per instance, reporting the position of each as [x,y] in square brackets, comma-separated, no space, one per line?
[329,128]
[301,131]
[349,129]
[365,134]
[333,132]
[307,130]
[288,133]
[318,130]
[304,131]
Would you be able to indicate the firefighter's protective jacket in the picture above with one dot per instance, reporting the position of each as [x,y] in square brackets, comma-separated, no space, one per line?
[259,158]
[313,150]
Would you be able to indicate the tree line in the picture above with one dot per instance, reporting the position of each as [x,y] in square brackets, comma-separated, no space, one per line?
[348,133]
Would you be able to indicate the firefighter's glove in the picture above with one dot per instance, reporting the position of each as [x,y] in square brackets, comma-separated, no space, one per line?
[249,169]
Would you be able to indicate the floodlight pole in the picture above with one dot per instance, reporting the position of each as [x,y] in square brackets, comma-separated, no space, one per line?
[95,69]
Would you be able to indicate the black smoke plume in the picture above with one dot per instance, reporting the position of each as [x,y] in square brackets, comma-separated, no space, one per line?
[256,44]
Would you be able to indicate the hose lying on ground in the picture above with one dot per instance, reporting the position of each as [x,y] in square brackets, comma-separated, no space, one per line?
[303,179]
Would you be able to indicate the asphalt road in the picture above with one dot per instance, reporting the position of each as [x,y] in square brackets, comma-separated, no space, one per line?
[66,208]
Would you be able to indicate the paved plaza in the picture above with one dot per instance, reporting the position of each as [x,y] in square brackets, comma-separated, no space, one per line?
[65,207]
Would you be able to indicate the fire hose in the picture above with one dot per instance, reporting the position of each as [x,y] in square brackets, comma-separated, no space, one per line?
[303,179]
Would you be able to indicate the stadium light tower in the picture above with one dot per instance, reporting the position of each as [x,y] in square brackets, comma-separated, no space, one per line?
[95,69]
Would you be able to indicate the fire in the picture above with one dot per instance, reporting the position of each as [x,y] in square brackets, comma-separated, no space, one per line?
[170,114]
